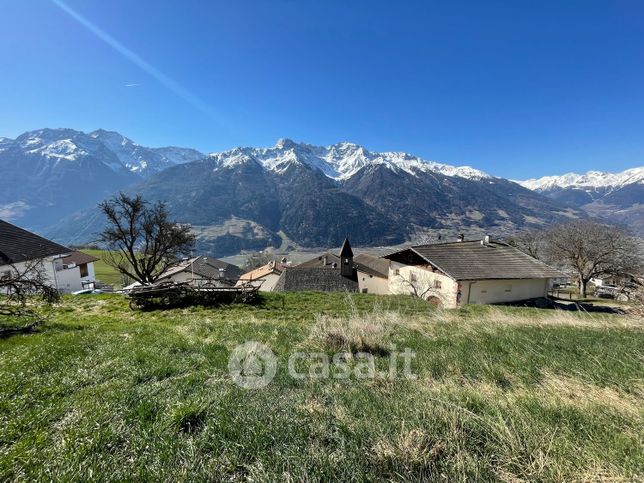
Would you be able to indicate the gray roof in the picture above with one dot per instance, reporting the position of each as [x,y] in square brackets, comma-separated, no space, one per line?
[317,279]
[19,245]
[323,261]
[205,267]
[472,260]
[363,262]
[372,265]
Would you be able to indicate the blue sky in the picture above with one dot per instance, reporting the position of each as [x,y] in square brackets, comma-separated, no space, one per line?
[515,88]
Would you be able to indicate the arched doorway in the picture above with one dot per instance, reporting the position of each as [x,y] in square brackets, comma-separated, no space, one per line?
[435,301]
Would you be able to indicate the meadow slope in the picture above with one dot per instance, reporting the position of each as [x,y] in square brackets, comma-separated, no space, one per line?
[102,392]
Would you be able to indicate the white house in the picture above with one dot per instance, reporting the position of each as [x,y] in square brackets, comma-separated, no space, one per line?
[373,274]
[75,271]
[65,269]
[469,272]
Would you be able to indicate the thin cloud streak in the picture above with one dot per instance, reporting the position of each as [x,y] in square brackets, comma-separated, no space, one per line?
[173,86]
[132,85]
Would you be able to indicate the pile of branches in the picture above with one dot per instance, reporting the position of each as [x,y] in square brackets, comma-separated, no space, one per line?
[636,297]
[25,292]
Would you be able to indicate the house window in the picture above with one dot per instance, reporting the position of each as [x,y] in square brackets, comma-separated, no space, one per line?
[508,288]
[84,272]
[364,290]
[397,272]
[6,275]
[438,284]
[412,277]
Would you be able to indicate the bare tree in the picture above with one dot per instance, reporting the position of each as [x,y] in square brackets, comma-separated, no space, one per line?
[24,291]
[533,242]
[422,288]
[143,242]
[592,250]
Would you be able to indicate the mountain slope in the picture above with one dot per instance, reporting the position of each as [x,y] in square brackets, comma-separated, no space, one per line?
[616,197]
[314,196]
[50,173]
[142,160]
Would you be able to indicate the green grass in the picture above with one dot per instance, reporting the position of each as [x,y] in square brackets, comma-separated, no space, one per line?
[101,392]
[104,272]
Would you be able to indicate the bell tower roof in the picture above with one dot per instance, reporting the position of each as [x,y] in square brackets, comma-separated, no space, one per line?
[345,251]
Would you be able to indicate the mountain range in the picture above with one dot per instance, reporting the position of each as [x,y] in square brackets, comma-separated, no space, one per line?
[291,194]
[50,173]
[617,197]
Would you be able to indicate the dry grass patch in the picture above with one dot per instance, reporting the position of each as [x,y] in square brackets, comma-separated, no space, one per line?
[502,316]
[415,447]
[371,332]
[577,393]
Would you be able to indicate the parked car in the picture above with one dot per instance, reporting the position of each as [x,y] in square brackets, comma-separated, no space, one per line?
[88,291]
[606,291]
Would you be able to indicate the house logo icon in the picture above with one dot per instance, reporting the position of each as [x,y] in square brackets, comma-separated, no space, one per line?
[252,365]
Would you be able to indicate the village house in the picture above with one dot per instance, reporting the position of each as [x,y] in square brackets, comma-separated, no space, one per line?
[67,270]
[202,270]
[264,277]
[338,273]
[469,272]
[77,272]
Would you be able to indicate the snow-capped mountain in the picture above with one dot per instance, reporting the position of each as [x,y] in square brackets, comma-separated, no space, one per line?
[339,161]
[591,179]
[616,197]
[253,198]
[142,160]
[312,196]
[49,173]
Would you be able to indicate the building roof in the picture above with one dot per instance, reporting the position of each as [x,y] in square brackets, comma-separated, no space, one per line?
[345,251]
[376,266]
[19,245]
[327,260]
[474,260]
[317,279]
[263,271]
[79,258]
[370,264]
[205,267]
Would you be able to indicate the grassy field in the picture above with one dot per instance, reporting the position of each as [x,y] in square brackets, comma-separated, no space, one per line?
[104,272]
[101,392]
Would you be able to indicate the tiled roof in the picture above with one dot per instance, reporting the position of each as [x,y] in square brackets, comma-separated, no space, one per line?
[326,260]
[263,271]
[19,245]
[473,260]
[205,267]
[317,279]
[372,265]
[79,258]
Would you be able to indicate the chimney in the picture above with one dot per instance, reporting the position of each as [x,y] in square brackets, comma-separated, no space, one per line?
[460,238]
[486,239]
[324,261]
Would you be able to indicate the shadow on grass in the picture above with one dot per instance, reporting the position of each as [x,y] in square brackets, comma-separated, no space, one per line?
[556,303]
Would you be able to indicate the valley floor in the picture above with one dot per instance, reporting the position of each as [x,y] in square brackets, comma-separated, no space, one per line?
[102,392]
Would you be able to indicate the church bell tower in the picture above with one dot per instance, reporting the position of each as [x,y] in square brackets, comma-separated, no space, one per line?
[346,259]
